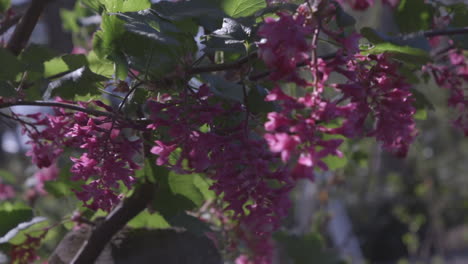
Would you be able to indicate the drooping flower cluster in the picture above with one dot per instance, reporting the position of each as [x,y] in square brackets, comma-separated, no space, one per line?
[365,4]
[6,191]
[25,252]
[107,154]
[376,89]
[284,45]
[43,175]
[241,166]
[452,74]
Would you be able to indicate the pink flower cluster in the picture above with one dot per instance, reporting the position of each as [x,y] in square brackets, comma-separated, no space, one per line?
[6,191]
[364,4]
[25,252]
[107,154]
[452,74]
[241,165]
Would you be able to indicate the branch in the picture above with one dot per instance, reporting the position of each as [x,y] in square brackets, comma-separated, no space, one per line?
[114,222]
[61,105]
[224,66]
[23,31]
[435,33]
[445,32]
[8,23]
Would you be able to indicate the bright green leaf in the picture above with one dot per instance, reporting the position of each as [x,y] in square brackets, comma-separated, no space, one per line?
[152,172]
[185,185]
[64,64]
[404,53]
[148,220]
[100,66]
[334,162]
[242,8]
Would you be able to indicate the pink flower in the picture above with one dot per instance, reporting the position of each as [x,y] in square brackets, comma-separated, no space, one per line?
[43,175]
[6,191]
[163,151]
[284,45]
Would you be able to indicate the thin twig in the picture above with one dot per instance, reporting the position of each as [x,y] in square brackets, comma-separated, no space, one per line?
[61,105]
[445,32]
[223,66]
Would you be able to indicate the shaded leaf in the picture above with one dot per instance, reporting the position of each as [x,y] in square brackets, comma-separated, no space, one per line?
[224,88]
[4,5]
[78,82]
[20,227]
[414,15]
[147,24]
[12,214]
[7,90]
[190,223]
[14,65]
[303,249]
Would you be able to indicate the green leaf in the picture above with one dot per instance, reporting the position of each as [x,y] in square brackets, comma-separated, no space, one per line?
[224,88]
[184,185]
[13,233]
[242,8]
[344,19]
[190,223]
[407,54]
[120,66]
[12,214]
[7,90]
[125,5]
[203,12]
[7,176]
[64,64]
[181,192]
[422,102]
[421,114]
[147,24]
[170,204]
[152,172]
[95,5]
[100,66]
[4,5]
[148,220]
[460,14]
[334,162]
[303,249]
[414,15]
[256,101]
[34,57]
[63,186]
[106,40]
[81,81]
[14,68]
